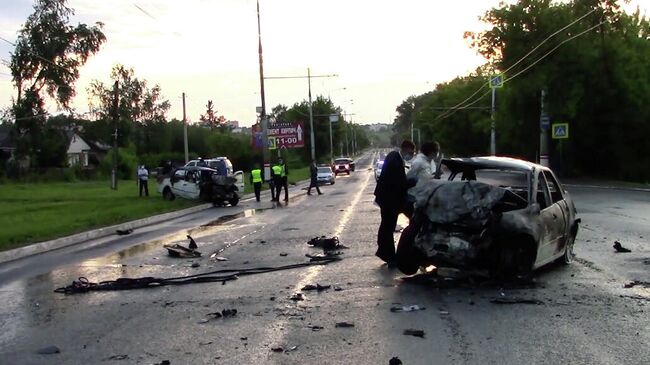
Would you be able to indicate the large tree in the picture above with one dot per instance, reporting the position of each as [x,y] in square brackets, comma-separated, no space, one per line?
[139,107]
[45,62]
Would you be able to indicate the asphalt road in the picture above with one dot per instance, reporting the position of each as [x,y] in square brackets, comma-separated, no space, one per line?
[584,314]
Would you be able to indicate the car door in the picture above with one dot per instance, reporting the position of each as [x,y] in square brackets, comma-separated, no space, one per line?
[546,211]
[552,220]
[191,188]
[557,197]
[179,185]
[176,182]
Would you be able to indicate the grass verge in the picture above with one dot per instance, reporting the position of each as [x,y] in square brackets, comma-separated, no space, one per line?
[37,212]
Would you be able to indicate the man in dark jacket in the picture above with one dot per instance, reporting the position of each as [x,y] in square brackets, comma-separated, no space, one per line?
[313,174]
[390,195]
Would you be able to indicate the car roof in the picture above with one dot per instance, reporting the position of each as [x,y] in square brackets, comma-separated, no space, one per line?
[490,162]
[196,168]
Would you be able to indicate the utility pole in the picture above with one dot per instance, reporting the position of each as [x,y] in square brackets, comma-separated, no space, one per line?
[311,119]
[331,140]
[116,115]
[187,155]
[493,140]
[544,124]
[412,118]
[263,119]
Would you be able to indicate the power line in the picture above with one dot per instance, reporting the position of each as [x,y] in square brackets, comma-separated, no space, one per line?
[521,59]
[38,56]
[144,11]
[524,70]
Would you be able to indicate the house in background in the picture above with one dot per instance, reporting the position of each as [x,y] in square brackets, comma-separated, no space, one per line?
[7,146]
[84,153]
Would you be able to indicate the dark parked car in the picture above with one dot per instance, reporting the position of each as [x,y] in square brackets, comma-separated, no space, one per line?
[343,165]
[503,215]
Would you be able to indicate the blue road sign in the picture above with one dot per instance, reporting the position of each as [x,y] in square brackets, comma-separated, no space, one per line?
[560,130]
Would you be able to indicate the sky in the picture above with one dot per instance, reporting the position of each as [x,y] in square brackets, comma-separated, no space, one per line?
[381,51]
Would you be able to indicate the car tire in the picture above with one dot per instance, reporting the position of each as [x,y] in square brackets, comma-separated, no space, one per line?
[569,255]
[332,183]
[348,173]
[233,202]
[168,195]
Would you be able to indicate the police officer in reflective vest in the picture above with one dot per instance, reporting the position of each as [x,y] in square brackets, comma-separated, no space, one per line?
[256,180]
[276,178]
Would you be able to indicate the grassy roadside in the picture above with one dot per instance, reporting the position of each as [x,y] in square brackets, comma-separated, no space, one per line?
[37,212]
[41,211]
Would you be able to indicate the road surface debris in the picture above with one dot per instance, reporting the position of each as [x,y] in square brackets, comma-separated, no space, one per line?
[412,332]
[395,361]
[619,248]
[407,308]
[49,350]
[503,300]
[124,232]
[344,325]
[317,287]
[179,251]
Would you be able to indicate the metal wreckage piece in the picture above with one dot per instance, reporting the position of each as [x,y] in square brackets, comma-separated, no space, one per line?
[465,224]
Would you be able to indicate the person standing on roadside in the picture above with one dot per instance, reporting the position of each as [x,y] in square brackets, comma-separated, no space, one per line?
[390,195]
[276,176]
[284,180]
[143,180]
[313,174]
[256,180]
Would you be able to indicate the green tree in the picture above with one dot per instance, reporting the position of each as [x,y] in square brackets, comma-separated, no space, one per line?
[46,62]
[139,107]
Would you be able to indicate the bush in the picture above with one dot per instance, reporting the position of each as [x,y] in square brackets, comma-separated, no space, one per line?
[127,163]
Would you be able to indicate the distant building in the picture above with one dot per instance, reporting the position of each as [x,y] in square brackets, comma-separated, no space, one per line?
[233,124]
[7,147]
[377,127]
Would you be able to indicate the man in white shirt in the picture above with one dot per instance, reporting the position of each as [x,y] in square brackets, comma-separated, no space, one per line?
[421,166]
[143,177]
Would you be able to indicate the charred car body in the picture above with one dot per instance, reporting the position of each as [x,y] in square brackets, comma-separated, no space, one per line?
[202,183]
[503,215]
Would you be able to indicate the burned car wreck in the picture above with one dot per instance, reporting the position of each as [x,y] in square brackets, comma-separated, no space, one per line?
[501,215]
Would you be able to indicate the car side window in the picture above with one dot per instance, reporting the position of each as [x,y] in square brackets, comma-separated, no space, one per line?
[553,187]
[542,192]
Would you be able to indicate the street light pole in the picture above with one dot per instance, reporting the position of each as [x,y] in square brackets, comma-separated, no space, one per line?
[187,158]
[263,119]
[493,142]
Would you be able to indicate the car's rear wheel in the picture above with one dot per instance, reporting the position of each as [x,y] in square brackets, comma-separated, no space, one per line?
[168,195]
[348,172]
[234,201]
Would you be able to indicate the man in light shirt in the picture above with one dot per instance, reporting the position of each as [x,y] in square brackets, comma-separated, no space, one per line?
[143,177]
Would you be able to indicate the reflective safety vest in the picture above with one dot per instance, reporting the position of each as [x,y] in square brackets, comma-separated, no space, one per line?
[257,175]
[283,173]
[277,170]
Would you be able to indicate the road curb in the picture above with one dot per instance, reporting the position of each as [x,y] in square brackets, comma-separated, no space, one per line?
[607,187]
[41,247]
[57,243]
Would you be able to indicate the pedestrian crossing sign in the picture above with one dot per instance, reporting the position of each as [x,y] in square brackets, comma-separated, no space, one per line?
[496,81]
[272,143]
[560,130]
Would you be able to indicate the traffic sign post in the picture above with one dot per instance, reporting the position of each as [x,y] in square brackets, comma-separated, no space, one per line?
[560,131]
[545,122]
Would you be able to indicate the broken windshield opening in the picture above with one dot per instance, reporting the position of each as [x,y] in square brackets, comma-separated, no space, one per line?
[511,180]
